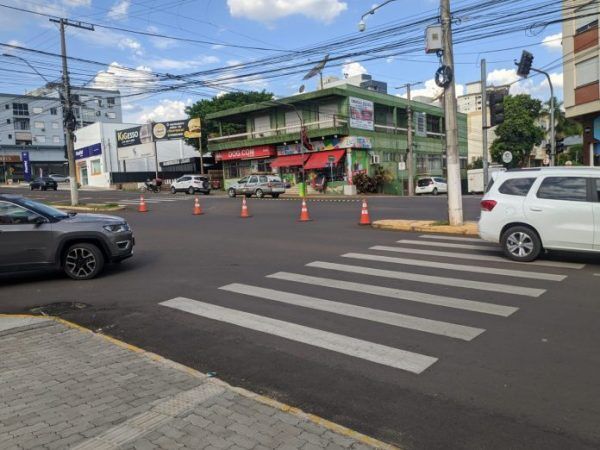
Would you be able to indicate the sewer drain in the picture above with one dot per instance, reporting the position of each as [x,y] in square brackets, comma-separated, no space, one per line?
[58,308]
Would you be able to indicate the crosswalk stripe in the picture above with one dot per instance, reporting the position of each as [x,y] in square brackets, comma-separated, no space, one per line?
[457,267]
[431,279]
[381,354]
[452,238]
[475,257]
[374,315]
[448,245]
[399,294]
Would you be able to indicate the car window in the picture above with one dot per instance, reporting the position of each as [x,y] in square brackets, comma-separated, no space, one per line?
[440,180]
[490,184]
[597,190]
[185,179]
[263,179]
[564,188]
[243,180]
[516,186]
[253,179]
[424,182]
[275,180]
[11,214]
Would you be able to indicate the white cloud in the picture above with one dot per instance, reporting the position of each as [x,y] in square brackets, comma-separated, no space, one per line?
[119,10]
[76,3]
[501,77]
[351,69]
[158,42]
[182,64]
[553,42]
[536,86]
[165,110]
[128,81]
[131,44]
[109,39]
[432,90]
[270,10]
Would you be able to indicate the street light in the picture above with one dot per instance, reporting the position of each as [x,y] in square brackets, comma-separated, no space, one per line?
[362,26]
[8,55]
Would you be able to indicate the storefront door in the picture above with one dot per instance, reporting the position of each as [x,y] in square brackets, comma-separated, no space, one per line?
[84,175]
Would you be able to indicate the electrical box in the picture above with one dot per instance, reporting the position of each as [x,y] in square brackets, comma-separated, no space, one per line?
[433,39]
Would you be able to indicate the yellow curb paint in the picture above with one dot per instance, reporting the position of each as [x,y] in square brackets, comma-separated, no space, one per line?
[468,229]
[331,426]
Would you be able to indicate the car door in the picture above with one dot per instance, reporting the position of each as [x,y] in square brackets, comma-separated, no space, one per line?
[181,184]
[26,238]
[241,185]
[442,185]
[251,185]
[596,206]
[559,208]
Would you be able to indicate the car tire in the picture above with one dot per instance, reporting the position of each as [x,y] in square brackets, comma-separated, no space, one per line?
[55,188]
[173,190]
[83,261]
[435,191]
[275,195]
[32,188]
[231,193]
[259,193]
[191,190]
[521,244]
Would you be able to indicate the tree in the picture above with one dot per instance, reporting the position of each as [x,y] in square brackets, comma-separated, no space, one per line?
[220,103]
[564,127]
[519,131]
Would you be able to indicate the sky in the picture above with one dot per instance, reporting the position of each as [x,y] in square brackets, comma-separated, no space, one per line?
[269,24]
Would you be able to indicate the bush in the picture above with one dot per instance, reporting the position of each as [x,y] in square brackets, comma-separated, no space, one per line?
[364,183]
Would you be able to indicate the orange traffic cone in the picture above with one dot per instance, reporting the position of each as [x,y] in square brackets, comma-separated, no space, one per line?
[244,214]
[197,209]
[304,217]
[143,207]
[364,214]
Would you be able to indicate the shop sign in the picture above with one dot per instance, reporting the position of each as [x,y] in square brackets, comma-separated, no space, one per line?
[345,142]
[86,152]
[10,158]
[262,151]
[134,136]
[176,129]
[362,113]
[26,166]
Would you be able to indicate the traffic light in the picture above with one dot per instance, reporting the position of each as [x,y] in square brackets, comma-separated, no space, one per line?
[524,66]
[560,145]
[496,100]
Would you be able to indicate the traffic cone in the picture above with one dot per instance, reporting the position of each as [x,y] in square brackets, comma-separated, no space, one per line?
[364,214]
[143,207]
[304,217]
[197,209]
[244,214]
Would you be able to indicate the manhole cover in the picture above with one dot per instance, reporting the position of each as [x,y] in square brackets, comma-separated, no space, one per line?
[58,308]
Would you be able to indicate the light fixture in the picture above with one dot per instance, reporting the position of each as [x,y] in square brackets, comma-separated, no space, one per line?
[362,26]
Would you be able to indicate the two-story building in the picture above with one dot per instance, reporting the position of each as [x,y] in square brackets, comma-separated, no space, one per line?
[349,129]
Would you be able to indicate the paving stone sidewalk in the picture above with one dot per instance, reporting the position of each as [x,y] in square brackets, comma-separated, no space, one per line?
[65,387]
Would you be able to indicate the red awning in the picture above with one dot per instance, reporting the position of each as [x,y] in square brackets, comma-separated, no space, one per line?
[320,160]
[289,160]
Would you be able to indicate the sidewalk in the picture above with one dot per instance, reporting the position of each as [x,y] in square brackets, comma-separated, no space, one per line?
[62,386]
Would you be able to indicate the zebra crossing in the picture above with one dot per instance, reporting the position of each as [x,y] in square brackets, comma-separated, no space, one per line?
[403,271]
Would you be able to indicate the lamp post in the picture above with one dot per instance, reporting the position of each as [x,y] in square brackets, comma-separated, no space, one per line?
[362,26]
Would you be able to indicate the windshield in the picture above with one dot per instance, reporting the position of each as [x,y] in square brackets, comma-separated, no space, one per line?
[43,209]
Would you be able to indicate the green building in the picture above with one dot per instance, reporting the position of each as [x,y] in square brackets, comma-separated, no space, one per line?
[348,130]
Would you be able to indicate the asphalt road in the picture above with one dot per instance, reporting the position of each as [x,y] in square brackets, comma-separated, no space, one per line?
[519,370]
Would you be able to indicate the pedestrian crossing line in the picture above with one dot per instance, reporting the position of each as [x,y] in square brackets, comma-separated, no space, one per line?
[447,329]
[431,279]
[458,267]
[399,294]
[476,257]
[452,238]
[369,351]
[449,245]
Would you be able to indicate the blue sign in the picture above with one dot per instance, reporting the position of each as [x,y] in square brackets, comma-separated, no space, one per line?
[86,152]
[26,165]
[597,135]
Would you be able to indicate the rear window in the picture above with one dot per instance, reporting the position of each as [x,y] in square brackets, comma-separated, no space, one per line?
[516,186]
[199,178]
[564,188]
[424,182]
[263,179]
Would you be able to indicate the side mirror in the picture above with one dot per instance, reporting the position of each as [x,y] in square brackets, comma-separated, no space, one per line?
[39,220]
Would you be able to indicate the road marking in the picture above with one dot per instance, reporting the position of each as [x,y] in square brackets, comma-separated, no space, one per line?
[399,294]
[451,238]
[374,315]
[458,267]
[380,354]
[448,245]
[476,257]
[431,279]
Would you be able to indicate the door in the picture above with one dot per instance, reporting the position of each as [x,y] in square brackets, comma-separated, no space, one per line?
[561,211]
[182,183]
[26,238]
[84,175]
[596,206]
[240,186]
[251,185]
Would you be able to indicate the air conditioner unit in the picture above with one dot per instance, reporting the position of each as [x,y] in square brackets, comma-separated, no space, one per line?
[375,158]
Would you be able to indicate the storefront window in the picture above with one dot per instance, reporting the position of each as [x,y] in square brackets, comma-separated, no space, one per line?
[96,167]
[237,169]
[263,165]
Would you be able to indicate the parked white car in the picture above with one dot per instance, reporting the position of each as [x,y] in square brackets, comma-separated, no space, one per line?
[190,184]
[531,210]
[431,185]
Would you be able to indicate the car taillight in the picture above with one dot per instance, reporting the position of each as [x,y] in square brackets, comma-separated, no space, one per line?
[488,205]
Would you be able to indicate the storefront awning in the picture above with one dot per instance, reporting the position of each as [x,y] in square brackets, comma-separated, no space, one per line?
[289,160]
[321,160]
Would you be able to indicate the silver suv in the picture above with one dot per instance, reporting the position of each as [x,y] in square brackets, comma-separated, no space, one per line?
[35,236]
[259,185]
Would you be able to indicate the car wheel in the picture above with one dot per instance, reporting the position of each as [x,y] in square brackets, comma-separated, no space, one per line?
[521,244]
[173,190]
[435,191]
[31,187]
[190,190]
[231,192]
[83,261]
[275,195]
[259,193]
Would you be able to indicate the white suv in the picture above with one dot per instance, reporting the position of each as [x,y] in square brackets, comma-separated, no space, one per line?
[530,210]
[431,185]
[191,184]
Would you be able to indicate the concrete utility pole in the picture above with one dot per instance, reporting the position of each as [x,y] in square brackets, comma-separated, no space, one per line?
[68,116]
[410,145]
[484,125]
[455,211]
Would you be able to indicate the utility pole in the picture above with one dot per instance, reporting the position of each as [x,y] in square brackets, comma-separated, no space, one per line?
[68,116]
[484,125]
[455,211]
[200,148]
[410,145]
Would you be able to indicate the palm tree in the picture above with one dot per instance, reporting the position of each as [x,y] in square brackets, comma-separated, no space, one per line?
[564,127]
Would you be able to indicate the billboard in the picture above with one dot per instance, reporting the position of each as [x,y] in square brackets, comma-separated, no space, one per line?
[361,114]
[176,129]
[134,136]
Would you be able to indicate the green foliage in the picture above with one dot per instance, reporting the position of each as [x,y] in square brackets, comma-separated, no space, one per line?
[366,184]
[574,154]
[476,164]
[564,127]
[519,132]
[220,103]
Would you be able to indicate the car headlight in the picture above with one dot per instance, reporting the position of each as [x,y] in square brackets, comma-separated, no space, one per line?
[117,228]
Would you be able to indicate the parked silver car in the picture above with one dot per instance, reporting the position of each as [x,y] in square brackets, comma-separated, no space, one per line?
[259,185]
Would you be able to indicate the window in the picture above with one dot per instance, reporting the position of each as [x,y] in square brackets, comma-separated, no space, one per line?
[37,110]
[56,139]
[327,113]
[262,125]
[10,136]
[110,101]
[53,111]
[111,115]
[55,125]
[7,106]
[420,124]
[22,124]
[40,139]
[517,186]
[20,109]
[7,120]
[292,122]
[236,169]
[96,167]
[253,180]
[586,17]
[100,102]
[11,214]
[263,165]
[39,125]
[587,72]
[75,98]
[263,179]
[434,124]
[597,190]
[564,188]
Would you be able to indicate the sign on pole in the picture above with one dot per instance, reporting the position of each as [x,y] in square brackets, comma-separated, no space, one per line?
[507,157]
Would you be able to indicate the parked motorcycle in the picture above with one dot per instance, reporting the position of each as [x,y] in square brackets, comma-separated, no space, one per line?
[154,185]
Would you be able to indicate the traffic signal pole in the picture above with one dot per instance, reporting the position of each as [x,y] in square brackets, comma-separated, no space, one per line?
[552,124]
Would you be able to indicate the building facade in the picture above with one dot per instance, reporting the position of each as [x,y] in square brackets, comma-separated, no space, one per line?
[348,130]
[581,69]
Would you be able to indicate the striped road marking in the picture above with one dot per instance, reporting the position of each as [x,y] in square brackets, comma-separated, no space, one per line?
[476,257]
[456,282]
[399,294]
[458,267]
[381,354]
[451,238]
[448,245]
[374,315]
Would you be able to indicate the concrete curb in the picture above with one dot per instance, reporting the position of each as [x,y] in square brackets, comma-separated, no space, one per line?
[427,226]
[331,426]
[88,208]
